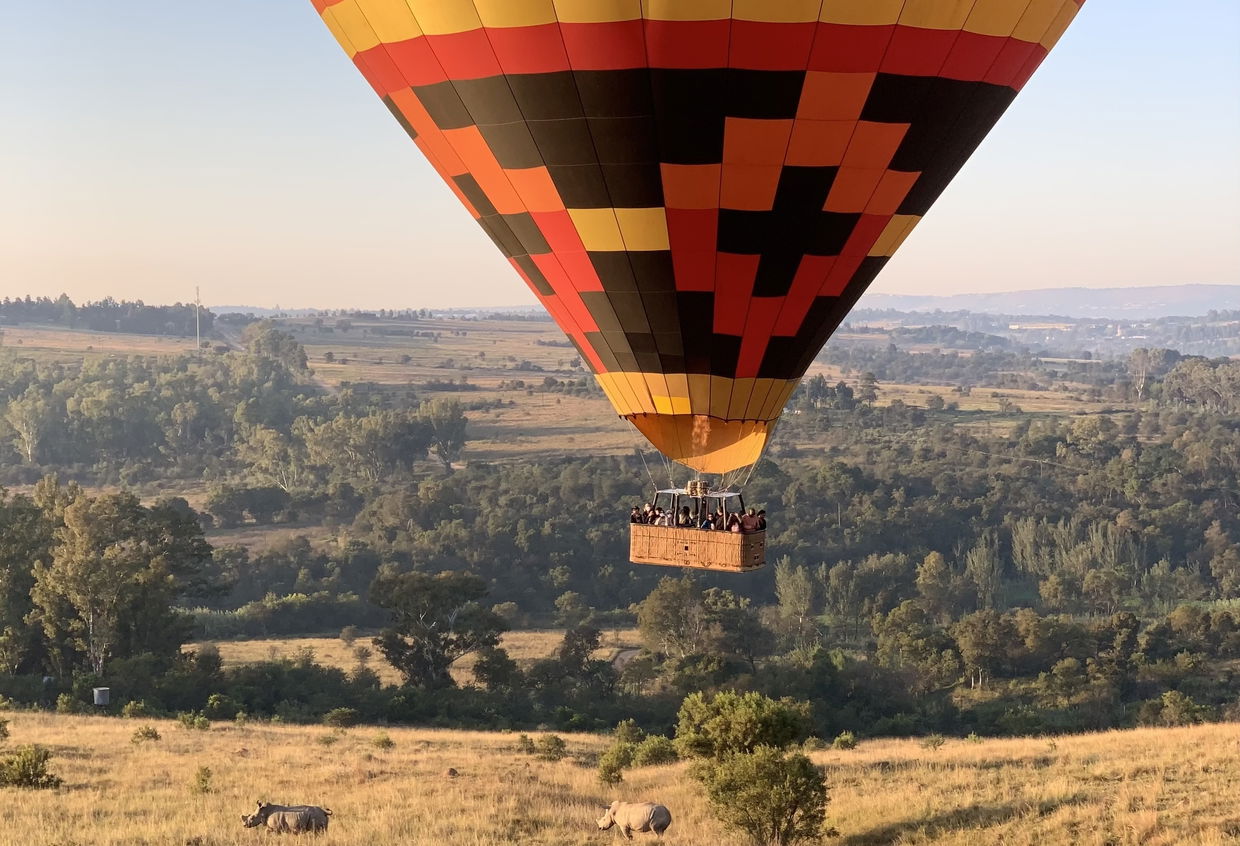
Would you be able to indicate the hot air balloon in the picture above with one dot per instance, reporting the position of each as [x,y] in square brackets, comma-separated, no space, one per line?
[698,191]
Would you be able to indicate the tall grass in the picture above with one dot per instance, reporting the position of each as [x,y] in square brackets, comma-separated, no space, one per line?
[1149,786]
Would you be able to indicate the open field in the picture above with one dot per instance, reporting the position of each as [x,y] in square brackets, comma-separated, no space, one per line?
[478,362]
[57,344]
[524,647]
[1156,787]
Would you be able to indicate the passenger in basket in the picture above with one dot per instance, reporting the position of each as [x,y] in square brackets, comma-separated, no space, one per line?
[749,522]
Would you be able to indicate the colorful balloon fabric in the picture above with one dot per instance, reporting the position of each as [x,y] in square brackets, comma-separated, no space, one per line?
[698,190]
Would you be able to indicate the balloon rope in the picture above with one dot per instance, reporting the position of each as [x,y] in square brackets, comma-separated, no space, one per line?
[642,455]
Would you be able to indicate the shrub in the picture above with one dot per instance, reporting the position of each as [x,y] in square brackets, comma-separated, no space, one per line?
[382,741]
[525,745]
[135,709]
[4,729]
[202,780]
[550,747]
[27,767]
[844,740]
[144,733]
[348,634]
[628,731]
[654,751]
[328,739]
[342,718]
[241,720]
[730,722]
[66,704]
[611,763]
[221,707]
[813,743]
[773,800]
[973,737]
[933,742]
[193,721]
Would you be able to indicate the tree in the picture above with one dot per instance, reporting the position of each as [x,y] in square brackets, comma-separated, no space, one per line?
[264,340]
[447,421]
[935,585]
[771,799]
[25,538]
[729,723]
[28,416]
[673,619]
[436,620]
[116,574]
[794,588]
[867,388]
[94,566]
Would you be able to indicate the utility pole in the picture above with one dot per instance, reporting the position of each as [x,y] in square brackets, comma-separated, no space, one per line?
[197,324]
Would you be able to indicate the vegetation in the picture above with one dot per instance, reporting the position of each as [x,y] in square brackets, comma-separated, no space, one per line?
[929,575]
[772,798]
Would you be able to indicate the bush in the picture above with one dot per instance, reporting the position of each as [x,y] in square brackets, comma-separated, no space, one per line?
[933,742]
[241,720]
[202,780]
[66,704]
[382,741]
[27,767]
[526,746]
[144,733]
[628,731]
[342,718]
[654,751]
[973,737]
[328,739]
[813,743]
[4,729]
[348,635]
[729,723]
[773,800]
[611,763]
[221,707]
[844,740]
[194,721]
[135,709]
[550,747]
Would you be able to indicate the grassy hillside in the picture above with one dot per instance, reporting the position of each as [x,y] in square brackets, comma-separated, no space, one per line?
[1164,786]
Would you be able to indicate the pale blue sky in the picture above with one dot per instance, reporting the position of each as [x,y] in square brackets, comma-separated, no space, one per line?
[154,145]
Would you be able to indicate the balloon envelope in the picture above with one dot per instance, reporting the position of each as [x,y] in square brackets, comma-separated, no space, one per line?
[698,190]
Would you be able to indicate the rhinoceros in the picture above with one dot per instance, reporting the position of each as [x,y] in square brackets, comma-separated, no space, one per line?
[288,818]
[636,816]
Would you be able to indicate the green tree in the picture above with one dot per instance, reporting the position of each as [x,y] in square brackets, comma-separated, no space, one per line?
[448,423]
[264,340]
[673,619]
[93,571]
[772,800]
[436,620]
[729,723]
[794,589]
[28,415]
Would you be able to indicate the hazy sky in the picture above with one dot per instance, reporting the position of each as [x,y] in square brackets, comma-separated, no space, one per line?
[150,146]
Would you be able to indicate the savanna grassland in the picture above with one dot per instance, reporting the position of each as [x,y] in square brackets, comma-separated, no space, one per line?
[1148,786]
[524,647]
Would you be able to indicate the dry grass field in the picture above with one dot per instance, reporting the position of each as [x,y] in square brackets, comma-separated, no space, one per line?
[1164,787]
[524,647]
[55,344]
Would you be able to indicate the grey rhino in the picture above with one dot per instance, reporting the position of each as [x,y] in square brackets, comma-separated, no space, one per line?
[293,819]
[636,816]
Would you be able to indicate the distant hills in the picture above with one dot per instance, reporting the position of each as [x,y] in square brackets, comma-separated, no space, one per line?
[1118,303]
